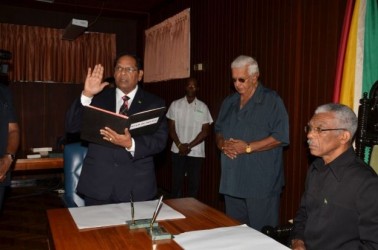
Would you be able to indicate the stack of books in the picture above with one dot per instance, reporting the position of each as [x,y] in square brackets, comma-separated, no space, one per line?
[39,152]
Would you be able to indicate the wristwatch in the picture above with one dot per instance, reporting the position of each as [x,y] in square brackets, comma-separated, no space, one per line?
[248,149]
[13,156]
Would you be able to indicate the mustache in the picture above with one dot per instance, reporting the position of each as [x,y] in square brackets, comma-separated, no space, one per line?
[309,142]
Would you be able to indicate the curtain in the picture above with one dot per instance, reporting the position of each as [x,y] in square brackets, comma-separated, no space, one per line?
[40,54]
[167,49]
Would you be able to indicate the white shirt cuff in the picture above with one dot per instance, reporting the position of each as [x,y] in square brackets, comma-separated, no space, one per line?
[132,148]
[85,100]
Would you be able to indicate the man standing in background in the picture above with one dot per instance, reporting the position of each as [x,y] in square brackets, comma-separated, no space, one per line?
[189,125]
[251,130]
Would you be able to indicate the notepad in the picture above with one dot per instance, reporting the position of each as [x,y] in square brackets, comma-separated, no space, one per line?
[233,237]
[118,214]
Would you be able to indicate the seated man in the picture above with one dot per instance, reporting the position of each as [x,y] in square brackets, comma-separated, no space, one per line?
[339,208]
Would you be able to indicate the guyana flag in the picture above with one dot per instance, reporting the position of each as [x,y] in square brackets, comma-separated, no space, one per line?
[357,67]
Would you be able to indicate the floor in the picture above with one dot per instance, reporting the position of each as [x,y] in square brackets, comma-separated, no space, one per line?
[23,221]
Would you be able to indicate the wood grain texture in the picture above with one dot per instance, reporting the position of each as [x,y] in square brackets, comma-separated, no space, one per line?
[65,235]
[38,164]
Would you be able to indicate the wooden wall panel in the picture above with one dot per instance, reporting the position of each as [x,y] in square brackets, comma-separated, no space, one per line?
[41,109]
[295,43]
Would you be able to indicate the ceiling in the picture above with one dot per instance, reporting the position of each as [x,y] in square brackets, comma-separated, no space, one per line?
[114,8]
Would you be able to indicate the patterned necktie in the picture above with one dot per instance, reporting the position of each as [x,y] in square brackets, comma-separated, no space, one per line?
[124,108]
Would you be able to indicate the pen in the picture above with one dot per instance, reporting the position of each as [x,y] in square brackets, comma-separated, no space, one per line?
[132,208]
[156,211]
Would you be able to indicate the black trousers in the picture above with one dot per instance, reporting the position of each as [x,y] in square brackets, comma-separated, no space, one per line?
[190,167]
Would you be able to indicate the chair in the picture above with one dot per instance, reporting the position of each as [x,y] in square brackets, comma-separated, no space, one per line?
[367,132]
[73,156]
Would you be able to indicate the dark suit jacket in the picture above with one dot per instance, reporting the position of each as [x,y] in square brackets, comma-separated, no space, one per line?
[114,172]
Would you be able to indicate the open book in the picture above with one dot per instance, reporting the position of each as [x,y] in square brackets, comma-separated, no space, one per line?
[94,119]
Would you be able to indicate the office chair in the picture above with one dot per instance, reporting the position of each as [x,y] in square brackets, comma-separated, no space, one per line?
[73,156]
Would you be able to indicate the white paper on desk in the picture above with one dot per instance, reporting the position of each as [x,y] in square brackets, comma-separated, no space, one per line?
[118,214]
[235,237]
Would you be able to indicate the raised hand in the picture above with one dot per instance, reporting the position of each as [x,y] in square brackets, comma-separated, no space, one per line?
[93,82]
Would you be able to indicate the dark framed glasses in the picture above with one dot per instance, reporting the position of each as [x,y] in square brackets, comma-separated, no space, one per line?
[242,80]
[318,130]
[127,69]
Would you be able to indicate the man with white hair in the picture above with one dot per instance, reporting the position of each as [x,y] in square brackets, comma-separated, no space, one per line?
[251,130]
[339,208]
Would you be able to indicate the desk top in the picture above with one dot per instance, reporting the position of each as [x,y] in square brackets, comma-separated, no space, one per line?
[65,234]
[38,164]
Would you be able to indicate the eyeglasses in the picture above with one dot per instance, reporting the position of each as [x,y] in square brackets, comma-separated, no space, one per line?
[242,80]
[318,130]
[128,69]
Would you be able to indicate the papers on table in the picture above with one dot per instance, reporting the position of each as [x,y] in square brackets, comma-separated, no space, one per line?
[118,214]
[235,237]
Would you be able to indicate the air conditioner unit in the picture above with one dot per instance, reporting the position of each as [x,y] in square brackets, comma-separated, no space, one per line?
[74,29]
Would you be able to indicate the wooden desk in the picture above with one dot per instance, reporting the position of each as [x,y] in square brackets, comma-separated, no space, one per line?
[65,234]
[38,164]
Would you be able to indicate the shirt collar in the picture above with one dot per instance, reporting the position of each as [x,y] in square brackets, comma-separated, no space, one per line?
[193,102]
[338,165]
[258,95]
[131,95]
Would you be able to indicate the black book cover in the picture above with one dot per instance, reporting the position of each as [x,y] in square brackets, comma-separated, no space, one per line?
[94,119]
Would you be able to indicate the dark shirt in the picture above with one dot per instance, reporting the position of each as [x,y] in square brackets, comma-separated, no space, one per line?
[260,174]
[339,208]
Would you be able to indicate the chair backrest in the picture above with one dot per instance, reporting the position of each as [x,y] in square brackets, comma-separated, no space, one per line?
[73,156]
[367,132]
[373,162]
